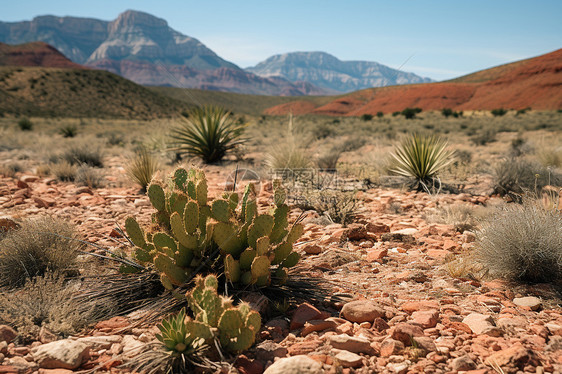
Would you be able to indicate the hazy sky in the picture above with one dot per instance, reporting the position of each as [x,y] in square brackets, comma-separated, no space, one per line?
[437,39]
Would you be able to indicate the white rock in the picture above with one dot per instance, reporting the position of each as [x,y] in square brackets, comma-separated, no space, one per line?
[529,301]
[62,354]
[295,365]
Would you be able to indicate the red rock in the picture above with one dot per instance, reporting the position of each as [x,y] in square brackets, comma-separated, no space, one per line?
[318,325]
[380,325]
[113,323]
[482,324]
[355,232]
[55,371]
[450,245]
[425,343]
[351,343]
[377,228]
[21,184]
[515,356]
[312,249]
[304,347]
[43,202]
[7,224]
[248,366]
[7,369]
[376,254]
[361,311]
[404,332]
[29,178]
[412,306]
[7,334]
[306,312]
[463,363]
[426,318]
[390,347]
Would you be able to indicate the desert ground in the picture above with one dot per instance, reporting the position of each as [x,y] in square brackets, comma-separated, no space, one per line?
[388,279]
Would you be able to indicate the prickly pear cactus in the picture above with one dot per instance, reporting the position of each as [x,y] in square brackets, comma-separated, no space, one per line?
[188,229]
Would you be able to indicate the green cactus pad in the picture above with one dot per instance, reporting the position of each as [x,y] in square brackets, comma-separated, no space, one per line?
[227,239]
[295,233]
[261,226]
[281,252]
[165,264]
[262,245]
[157,196]
[199,330]
[176,223]
[177,202]
[253,321]
[231,269]
[263,281]
[204,215]
[281,275]
[250,210]
[180,177]
[135,232]
[211,281]
[201,192]
[162,240]
[191,217]
[191,190]
[143,255]
[246,259]
[232,199]
[243,340]
[166,282]
[183,256]
[260,267]
[279,195]
[246,278]
[231,321]
[280,223]
[249,194]
[291,260]
[220,210]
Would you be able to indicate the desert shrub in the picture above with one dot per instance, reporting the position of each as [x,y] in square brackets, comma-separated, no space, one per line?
[10,170]
[115,139]
[46,302]
[68,131]
[209,133]
[410,113]
[522,111]
[380,114]
[63,171]
[462,216]
[88,176]
[25,124]
[328,160]
[142,166]
[446,112]
[84,154]
[289,153]
[522,242]
[484,137]
[39,246]
[498,112]
[519,146]
[515,175]
[395,114]
[323,131]
[366,117]
[352,144]
[421,157]
[550,157]
[338,206]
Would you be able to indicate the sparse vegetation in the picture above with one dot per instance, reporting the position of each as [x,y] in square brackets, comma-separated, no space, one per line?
[84,154]
[366,117]
[522,242]
[62,170]
[68,131]
[142,166]
[88,176]
[498,112]
[25,124]
[515,176]
[337,206]
[208,133]
[39,246]
[410,113]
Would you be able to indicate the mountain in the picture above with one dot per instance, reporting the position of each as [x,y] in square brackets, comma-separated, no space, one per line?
[34,54]
[532,83]
[144,49]
[35,79]
[326,71]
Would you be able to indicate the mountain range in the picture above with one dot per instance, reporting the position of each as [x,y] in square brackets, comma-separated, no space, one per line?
[144,49]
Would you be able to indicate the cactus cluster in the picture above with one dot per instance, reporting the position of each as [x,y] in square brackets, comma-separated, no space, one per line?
[214,317]
[187,228]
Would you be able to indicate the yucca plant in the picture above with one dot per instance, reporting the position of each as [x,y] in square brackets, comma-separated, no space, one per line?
[142,167]
[68,131]
[209,133]
[175,335]
[421,157]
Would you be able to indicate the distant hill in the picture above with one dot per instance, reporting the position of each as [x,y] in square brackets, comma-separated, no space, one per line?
[534,83]
[144,49]
[45,83]
[328,72]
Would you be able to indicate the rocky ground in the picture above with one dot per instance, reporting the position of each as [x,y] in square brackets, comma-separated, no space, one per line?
[402,310]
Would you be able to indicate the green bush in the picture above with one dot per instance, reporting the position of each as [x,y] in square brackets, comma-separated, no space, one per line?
[446,112]
[522,242]
[25,124]
[498,112]
[366,117]
[39,246]
[380,114]
[410,113]
[208,133]
[421,157]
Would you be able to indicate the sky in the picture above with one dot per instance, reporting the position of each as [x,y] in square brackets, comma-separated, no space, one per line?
[437,39]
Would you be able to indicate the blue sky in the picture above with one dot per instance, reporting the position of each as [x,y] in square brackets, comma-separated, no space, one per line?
[442,39]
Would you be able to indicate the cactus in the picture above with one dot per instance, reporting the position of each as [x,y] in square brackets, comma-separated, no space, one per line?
[188,227]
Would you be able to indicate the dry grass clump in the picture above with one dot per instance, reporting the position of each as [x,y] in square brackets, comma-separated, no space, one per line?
[550,157]
[337,206]
[88,176]
[328,160]
[517,175]
[142,167]
[522,242]
[462,216]
[80,154]
[39,246]
[47,302]
[63,170]
[10,170]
